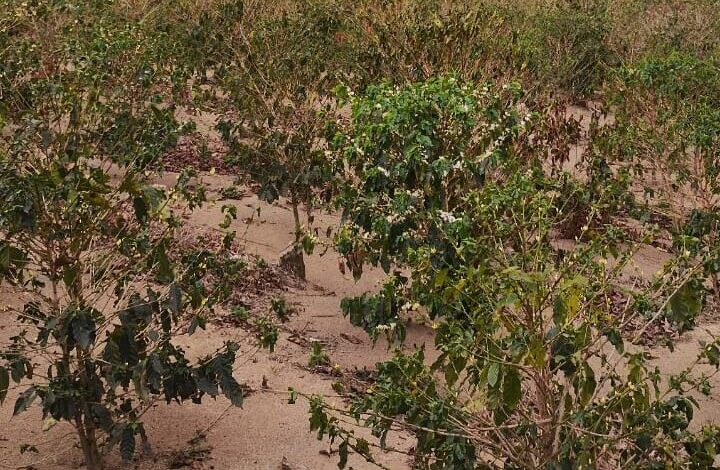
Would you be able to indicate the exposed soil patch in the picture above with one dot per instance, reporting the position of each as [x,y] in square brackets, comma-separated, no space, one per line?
[199,152]
[255,283]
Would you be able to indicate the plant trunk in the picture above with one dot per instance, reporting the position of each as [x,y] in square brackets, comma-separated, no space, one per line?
[292,259]
[309,210]
[715,241]
[296,217]
[547,436]
[88,442]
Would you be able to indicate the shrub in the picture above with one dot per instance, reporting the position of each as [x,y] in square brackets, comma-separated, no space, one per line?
[667,133]
[87,239]
[539,363]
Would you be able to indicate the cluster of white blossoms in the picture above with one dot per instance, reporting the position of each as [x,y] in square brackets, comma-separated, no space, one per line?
[394,217]
[447,217]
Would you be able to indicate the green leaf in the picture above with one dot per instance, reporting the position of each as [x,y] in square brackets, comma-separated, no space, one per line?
[164,269]
[512,389]
[362,447]
[207,386]
[616,340]
[712,353]
[24,401]
[451,374]
[141,209]
[18,370]
[83,329]
[11,260]
[685,304]
[453,369]
[268,193]
[343,453]
[232,390]
[4,383]
[195,322]
[588,386]
[537,354]
[559,311]
[127,443]
[70,274]
[102,416]
[493,374]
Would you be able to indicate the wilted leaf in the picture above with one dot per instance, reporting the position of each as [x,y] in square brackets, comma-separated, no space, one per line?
[49,423]
[175,298]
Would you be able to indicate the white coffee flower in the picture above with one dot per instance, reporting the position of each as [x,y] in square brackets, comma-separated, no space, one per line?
[447,217]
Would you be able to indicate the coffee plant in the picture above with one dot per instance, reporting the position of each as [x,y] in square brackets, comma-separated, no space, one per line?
[280,92]
[454,179]
[95,341]
[417,148]
[666,133]
[87,240]
[540,361]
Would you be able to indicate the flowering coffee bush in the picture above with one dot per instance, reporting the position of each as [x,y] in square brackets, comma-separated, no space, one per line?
[538,364]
